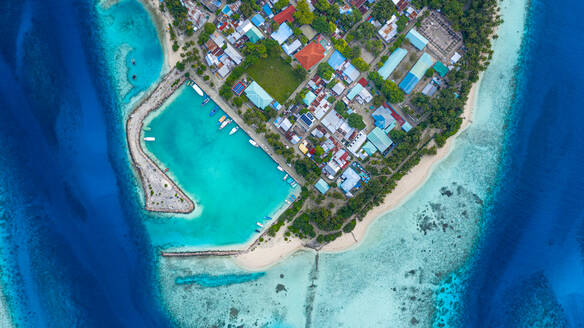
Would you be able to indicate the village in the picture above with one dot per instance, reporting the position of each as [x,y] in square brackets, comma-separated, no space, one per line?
[334,86]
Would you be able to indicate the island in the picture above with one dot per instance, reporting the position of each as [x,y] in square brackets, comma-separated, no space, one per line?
[354,100]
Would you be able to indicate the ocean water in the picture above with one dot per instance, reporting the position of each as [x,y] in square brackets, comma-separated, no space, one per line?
[233,183]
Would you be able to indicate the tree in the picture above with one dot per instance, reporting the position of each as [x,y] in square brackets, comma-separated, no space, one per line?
[280,4]
[360,64]
[209,28]
[429,72]
[303,14]
[383,10]
[321,25]
[356,121]
[401,23]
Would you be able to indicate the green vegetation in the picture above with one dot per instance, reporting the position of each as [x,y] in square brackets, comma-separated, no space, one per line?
[179,13]
[356,121]
[360,64]
[303,14]
[280,4]
[388,88]
[325,70]
[382,10]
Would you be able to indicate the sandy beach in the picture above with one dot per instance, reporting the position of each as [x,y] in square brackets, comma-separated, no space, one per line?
[162,20]
[276,249]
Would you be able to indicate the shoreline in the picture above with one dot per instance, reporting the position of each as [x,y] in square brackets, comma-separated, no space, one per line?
[276,249]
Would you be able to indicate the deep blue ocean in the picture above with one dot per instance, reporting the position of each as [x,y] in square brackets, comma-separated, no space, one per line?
[74,249]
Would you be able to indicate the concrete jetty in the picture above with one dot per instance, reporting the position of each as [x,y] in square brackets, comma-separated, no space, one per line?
[161,193]
[202,253]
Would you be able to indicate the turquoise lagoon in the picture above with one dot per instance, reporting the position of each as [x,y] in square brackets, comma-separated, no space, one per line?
[233,183]
[395,277]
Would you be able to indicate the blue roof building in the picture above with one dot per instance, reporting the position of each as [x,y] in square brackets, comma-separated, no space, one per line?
[416,39]
[392,62]
[336,60]
[254,35]
[268,11]
[350,73]
[416,73]
[383,119]
[258,96]
[406,127]
[258,20]
[282,34]
[355,91]
[322,186]
[369,148]
[379,139]
[309,98]
[351,180]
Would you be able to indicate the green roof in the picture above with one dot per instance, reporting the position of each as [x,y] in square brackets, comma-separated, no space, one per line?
[369,148]
[440,68]
[379,139]
[355,91]
[254,35]
[322,186]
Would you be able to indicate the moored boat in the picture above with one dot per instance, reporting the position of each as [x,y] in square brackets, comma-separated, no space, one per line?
[253,143]
[286,176]
[197,89]
[212,112]
[224,124]
[149,139]
[221,119]
[261,225]
[233,130]
[280,168]
[206,100]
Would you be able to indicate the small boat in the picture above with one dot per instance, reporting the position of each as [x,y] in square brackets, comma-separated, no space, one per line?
[293,197]
[134,77]
[212,112]
[197,89]
[286,176]
[261,225]
[221,119]
[253,143]
[267,218]
[257,230]
[233,130]
[224,124]
[287,202]
[280,168]
[149,139]
[133,61]
[166,170]
[205,101]
[294,184]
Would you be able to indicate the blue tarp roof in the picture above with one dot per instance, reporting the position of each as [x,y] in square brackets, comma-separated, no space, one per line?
[268,10]
[417,39]
[336,60]
[282,34]
[257,20]
[391,63]
[409,82]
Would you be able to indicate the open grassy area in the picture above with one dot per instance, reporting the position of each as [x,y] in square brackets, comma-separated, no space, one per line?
[275,76]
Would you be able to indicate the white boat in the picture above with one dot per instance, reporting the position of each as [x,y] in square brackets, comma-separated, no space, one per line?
[286,176]
[233,130]
[197,89]
[149,139]
[288,202]
[280,168]
[224,124]
[261,225]
[253,143]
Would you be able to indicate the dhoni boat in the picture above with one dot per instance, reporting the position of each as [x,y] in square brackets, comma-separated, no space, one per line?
[205,101]
[212,112]
[253,143]
[197,89]
[149,139]
[221,119]
[224,124]
[286,176]
[280,168]
[261,225]
[233,130]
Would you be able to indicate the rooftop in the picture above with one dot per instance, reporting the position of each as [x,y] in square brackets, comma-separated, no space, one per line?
[257,95]
[417,39]
[286,15]
[322,186]
[379,139]
[310,55]
[392,62]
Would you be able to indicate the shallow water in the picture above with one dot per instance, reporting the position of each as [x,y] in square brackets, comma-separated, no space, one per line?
[233,183]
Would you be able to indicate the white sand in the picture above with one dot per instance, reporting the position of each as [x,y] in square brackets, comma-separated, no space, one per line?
[276,249]
[161,20]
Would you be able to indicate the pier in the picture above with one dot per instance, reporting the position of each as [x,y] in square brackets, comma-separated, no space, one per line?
[202,253]
[160,192]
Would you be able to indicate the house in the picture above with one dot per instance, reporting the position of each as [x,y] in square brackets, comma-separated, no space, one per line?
[350,180]
[416,39]
[306,120]
[383,119]
[440,68]
[286,15]
[332,121]
[379,139]
[310,55]
[254,34]
[282,34]
[357,142]
[389,30]
[455,58]
[336,60]
[268,10]
[416,73]
[283,124]
[338,88]
[257,95]
[360,93]
[430,89]
[322,186]
[309,98]
[258,20]
[392,62]
[289,49]
[194,14]
[400,4]
[350,73]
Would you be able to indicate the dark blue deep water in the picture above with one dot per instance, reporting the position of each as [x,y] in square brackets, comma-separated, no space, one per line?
[74,250]
[529,268]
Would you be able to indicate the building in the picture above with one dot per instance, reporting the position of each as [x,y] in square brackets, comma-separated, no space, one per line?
[310,55]
[282,34]
[286,15]
[336,60]
[194,14]
[258,20]
[400,4]
[389,30]
[379,139]
[350,73]
[350,180]
[254,35]
[322,186]
[354,91]
[392,62]
[357,142]
[440,69]
[258,96]
[416,73]
[383,119]
[268,10]
[309,98]
[338,88]
[289,49]
[430,89]
[416,39]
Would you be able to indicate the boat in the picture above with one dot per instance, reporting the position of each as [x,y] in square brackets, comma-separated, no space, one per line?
[197,89]
[287,202]
[221,119]
[205,101]
[285,176]
[233,130]
[294,184]
[267,218]
[224,124]
[149,139]
[212,112]
[257,230]
[261,225]
[293,197]
[253,143]
[280,168]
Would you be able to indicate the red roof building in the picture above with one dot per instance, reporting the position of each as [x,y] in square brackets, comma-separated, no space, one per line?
[310,55]
[286,15]
[363,82]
